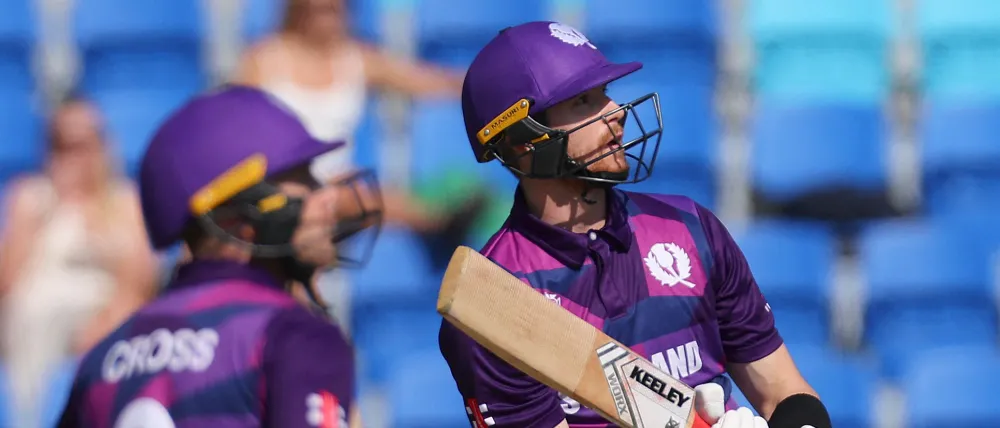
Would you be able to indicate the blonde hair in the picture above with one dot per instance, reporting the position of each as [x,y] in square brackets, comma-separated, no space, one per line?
[109,180]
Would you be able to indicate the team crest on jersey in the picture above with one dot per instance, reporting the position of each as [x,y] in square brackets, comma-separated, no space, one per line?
[323,411]
[669,264]
[553,297]
[569,35]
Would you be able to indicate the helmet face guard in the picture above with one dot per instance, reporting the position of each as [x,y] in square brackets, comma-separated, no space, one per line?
[546,148]
[243,196]
[360,224]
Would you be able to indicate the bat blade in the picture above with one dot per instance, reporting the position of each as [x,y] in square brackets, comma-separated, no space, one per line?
[555,347]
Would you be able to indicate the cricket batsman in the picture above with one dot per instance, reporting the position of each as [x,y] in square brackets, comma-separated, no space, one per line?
[226,345]
[659,273]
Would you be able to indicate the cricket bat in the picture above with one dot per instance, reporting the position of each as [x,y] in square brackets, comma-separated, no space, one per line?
[555,347]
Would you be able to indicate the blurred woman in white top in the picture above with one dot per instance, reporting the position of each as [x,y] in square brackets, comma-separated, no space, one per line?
[320,71]
[74,258]
[315,66]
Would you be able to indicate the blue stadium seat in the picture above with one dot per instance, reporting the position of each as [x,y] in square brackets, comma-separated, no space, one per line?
[132,119]
[392,295]
[638,20]
[960,194]
[261,17]
[961,153]
[57,392]
[397,273]
[23,148]
[369,136]
[6,404]
[665,182]
[975,373]
[690,128]
[423,394]
[928,287]
[792,263]
[451,32]
[973,216]
[685,163]
[820,50]
[847,384]
[799,148]
[960,49]
[676,39]
[19,123]
[18,33]
[380,335]
[438,140]
[141,44]
[961,137]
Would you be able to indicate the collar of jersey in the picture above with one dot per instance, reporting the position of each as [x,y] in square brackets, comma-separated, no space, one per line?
[572,249]
[210,271]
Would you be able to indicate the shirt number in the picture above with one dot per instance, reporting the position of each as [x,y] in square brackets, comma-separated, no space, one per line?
[144,413]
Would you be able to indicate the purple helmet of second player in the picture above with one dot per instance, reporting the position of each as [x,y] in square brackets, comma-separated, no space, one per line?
[204,141]
[531,67]
[215,155]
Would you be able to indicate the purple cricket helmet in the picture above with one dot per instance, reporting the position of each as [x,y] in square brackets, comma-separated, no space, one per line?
[204,141]
[214,160]
[529,68]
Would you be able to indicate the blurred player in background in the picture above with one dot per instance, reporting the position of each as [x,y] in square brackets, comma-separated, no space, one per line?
[76,260]
[324,74]
[225,344]
[658,273]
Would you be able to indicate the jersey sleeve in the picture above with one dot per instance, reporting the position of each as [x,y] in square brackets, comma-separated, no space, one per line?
[746,323]
[496,394]
[309,372]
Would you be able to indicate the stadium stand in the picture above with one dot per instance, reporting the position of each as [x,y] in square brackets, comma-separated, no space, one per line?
[819,82]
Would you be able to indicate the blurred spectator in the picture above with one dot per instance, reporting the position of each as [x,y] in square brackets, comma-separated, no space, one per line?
[323,74]
[75,258]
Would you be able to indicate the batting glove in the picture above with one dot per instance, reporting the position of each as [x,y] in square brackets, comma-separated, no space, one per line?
[740,418]
[710,404]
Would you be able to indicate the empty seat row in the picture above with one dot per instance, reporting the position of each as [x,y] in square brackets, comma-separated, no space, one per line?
[852,393]
[926,284]
[841,51]
[797,148]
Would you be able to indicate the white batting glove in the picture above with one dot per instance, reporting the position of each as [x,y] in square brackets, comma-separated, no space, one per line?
[740,418]
[710,404]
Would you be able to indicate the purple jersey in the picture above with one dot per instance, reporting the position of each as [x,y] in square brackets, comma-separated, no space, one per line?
[663,276]
[225,347]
